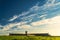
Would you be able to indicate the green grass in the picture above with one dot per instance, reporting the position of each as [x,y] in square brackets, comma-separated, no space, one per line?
[29,38]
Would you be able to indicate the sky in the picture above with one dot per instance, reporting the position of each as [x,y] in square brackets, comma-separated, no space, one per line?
[34,16]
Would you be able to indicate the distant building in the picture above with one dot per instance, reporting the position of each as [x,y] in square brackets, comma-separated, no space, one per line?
[41,34]
[45,34]
[13,34]
[26,34]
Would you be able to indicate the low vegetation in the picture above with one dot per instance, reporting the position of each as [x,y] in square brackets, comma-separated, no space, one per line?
[29,38]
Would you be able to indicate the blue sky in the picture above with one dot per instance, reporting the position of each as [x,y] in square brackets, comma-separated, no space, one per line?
[35,16]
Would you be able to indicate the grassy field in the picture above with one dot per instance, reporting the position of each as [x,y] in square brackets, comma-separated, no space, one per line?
[29,38]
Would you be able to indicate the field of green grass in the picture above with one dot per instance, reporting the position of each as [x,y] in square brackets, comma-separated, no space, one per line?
[29,38]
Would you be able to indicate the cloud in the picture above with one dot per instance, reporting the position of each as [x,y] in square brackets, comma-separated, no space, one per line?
[51,1]
[43,16]
[7,27]
[34,8]
[24,26]
[46,21]
[18,25]
[13,18]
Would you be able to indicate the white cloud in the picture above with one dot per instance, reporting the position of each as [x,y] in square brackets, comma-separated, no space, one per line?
[18,25]
[46,21]
[29,16]
[24,13]
[24,26]
[13,18]
[39,22]
[17,16]
[42,16]
[7,27]
[34,8]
